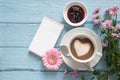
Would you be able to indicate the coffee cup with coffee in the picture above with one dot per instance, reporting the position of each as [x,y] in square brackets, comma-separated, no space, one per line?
[82,48]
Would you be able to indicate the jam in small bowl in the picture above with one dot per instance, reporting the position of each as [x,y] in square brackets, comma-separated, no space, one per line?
[75,13]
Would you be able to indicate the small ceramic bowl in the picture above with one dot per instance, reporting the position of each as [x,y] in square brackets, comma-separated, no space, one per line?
[66,13]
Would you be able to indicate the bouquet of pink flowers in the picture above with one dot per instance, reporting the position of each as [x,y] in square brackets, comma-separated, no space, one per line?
[110,34]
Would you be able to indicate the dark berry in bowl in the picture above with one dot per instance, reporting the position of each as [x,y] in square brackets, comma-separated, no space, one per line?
[75,14]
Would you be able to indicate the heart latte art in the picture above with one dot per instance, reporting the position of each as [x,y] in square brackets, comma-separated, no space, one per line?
[82,48]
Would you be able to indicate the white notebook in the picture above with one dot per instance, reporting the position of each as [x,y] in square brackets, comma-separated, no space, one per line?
[46,36]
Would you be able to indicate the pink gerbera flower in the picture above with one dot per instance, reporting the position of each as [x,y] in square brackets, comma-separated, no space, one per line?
[113,10]
[52,59]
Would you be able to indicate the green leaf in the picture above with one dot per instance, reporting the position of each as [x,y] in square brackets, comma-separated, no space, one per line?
[119,73]
[103,76]
[111,71]
[96,72]
[114,23]
[108,60]
[83,78]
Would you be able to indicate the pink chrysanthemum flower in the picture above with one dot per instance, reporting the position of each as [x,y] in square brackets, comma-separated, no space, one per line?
[111,27]
[107,10]
[113,10]
[52,59]
[118,34]
[115,35]
[65,72]
[97,10]
[96,16]
[107,23]
[75,73]
[104,45]
[118,28]
[96,21]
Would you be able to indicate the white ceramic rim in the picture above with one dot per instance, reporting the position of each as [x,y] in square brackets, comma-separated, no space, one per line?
[72,63]
[71,4]
[93,42]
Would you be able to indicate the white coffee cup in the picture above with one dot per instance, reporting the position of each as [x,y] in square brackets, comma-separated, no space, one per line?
[82,35]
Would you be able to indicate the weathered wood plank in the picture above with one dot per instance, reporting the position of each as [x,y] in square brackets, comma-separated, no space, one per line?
[26,75]
[13,35]
[31,75]
[21,59]
[35,10]
[19,21]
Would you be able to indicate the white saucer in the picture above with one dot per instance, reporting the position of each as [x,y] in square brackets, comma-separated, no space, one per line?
[72,63]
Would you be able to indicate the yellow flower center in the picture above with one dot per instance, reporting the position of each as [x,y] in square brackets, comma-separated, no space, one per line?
[114,10]
[52,59]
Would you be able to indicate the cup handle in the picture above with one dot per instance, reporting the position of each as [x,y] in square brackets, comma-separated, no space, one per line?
[97,57]
[99,54]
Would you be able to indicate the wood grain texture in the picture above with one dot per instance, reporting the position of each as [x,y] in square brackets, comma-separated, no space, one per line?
[22,34]
[21,59]
[19,21]
[37,75]
[31,75]
[35,10]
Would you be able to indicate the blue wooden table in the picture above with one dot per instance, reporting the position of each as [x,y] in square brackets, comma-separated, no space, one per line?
[19,21]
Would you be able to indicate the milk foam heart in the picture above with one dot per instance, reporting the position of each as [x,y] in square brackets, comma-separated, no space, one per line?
[81,48]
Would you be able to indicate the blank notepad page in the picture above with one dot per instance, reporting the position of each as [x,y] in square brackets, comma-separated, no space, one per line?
[46,36]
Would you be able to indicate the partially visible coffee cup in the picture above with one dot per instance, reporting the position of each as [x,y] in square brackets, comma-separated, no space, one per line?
[82,47]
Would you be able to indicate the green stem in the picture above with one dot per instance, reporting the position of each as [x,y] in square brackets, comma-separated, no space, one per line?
[116,17]
[101,22]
